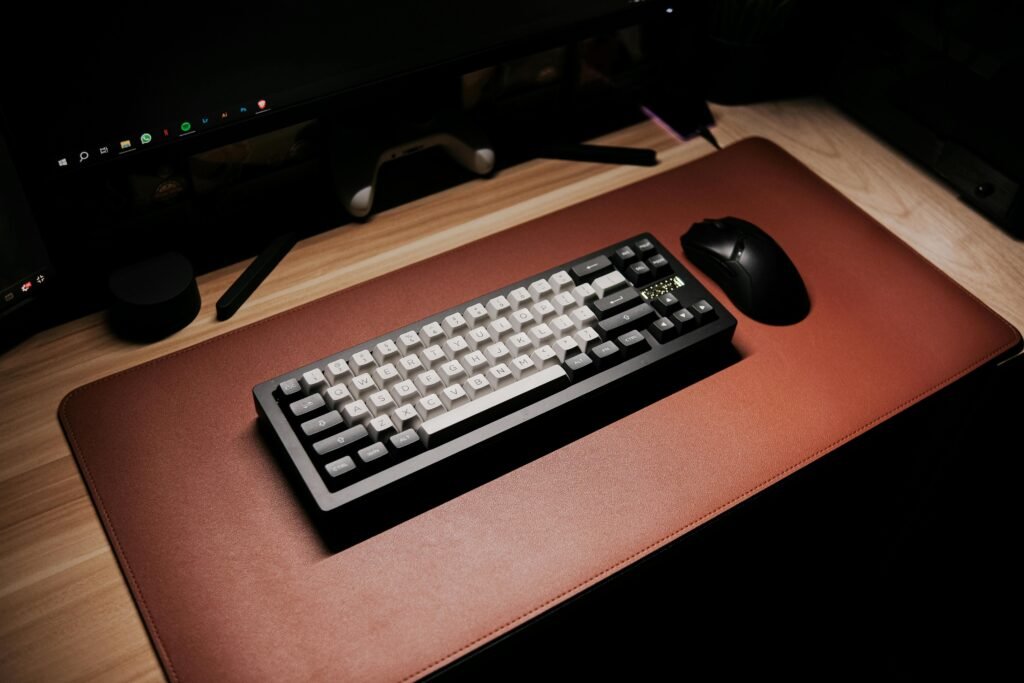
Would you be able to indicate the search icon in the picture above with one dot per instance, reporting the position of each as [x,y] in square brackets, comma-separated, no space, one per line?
[83,156]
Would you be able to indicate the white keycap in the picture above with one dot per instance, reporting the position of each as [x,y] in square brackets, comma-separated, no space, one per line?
[381,403]
[338,371]
[405,417]
[361,361]
[405,391]
[429,406]
[454,396]
[314,380]
[499,328]
[544,356]
[381,427]
[519,297]
[582,317]
[386,375]
[519,343]
[562,325]
[454,324]
[560,280]
[363,384]
[410,366]
[498,306]
[337,396]
[432,355]
[476,315]
[355,413]
[431,333]
[584,294]
[522,366]
[452,372]
[540,289]
[586,338]
[477,385]
[455,347]
[566,347]
[499,376]
[521,319]
[475,362]
[409,342]
[543,311]
[606,284]
[564,302]
[541,335]
[478,336]
[458,419]
[496,353]
[385,352]
[428,382]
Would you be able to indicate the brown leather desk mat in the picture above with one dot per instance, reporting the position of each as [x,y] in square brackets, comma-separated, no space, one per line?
[234,584]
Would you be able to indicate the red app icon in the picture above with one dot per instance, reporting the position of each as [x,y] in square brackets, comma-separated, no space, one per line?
[262,104]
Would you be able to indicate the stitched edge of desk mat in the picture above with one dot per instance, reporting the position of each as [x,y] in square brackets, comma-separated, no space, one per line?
[1003,346]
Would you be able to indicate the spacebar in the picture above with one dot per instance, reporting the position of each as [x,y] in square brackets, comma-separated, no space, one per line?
[487,408]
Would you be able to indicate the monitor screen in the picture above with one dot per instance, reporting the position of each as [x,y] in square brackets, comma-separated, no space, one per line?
[24,265]
[113,81]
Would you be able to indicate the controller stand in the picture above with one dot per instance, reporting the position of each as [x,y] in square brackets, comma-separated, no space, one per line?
[358,151]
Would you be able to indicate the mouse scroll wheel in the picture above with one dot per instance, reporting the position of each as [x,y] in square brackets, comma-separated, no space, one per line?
[737,250]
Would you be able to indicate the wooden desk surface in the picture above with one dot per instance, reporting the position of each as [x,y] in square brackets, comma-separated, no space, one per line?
[65,611]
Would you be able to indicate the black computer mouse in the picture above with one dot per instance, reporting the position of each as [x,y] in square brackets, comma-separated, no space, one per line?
[750,267]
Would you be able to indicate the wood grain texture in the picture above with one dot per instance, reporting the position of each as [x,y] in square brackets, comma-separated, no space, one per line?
[65,612]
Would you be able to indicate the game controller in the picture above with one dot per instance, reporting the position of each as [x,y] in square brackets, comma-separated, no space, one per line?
[357,155]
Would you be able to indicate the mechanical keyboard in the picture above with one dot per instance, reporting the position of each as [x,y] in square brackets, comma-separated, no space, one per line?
[394,407]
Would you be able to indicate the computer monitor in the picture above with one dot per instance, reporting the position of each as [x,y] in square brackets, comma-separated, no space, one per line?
[110,82]
[24,265]
[105,102]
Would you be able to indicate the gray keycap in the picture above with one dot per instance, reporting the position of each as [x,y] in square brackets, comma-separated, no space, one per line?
[321,424]
[371,453]
[579,366]
[588,270]
[632,343]
[704,311]
[289,387]
[606,354]
[307,405]
[614,303]
[340,466]
[356,436]
[638,316]
[406,443]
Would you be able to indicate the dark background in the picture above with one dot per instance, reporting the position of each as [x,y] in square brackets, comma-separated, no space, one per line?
[935,78]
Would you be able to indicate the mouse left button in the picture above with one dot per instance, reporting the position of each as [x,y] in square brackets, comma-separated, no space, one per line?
[714,237]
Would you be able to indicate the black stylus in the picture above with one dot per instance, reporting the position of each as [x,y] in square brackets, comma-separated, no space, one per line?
[250,279]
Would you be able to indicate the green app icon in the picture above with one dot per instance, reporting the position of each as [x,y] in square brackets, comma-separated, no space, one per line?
[146,138]
[185,126]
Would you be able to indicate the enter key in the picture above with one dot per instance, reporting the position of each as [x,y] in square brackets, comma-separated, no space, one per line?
[613,303]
